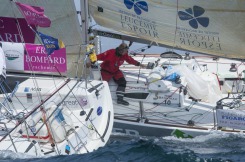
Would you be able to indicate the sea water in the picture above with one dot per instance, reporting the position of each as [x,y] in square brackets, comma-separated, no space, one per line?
[217,147]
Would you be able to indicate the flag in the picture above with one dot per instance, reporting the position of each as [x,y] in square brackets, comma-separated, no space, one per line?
[34,15]
[50,43]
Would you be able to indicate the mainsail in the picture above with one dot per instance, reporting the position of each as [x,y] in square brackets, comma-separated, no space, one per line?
[212,27]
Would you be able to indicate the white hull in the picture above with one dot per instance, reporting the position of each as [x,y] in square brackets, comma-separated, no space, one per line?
[89,108]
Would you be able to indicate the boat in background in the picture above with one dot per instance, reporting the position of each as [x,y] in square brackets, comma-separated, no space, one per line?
[43,111]
[163,103]
[179,95]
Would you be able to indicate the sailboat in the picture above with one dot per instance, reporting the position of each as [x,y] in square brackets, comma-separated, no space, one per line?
[179,95]
[45,111]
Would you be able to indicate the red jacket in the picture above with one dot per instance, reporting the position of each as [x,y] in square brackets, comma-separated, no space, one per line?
[112,62]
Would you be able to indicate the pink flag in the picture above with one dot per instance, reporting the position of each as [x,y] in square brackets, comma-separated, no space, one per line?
[34,15]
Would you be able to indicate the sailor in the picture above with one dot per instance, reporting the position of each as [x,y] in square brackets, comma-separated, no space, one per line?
[112,60]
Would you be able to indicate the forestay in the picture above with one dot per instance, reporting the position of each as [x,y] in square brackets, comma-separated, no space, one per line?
[212,27]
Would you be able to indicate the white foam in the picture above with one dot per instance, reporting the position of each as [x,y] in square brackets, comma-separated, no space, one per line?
[204,138]
[213,143]
[7,154]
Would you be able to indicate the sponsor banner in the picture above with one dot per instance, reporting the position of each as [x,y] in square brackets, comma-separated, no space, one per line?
[231,118]
[10,33]
[38,60]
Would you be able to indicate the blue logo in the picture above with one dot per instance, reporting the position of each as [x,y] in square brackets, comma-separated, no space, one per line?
[137,4]
[194,17]
[99,110]
[27,89]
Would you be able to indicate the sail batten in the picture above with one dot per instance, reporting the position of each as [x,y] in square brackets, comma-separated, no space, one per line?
[209,27]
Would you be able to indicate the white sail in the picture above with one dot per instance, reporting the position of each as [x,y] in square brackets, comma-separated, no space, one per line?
[63,16]
[65,26]
[212,27]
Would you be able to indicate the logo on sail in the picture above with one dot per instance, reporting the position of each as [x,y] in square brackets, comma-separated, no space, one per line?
[194,16]
[137,4]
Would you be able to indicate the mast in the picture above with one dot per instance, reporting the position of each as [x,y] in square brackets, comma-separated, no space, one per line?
[84,22]
[85,36]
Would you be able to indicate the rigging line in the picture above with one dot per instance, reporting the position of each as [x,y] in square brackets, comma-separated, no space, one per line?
[54,80]
[58,105]
[129,115]
[95,129]
[140,68]
[80,82]
[57,84]
[205,114]
[171,112]
[142,49]
[7,102]
[50,62]
[34,110]
[25,108]
[242,63]
[164,100]
[77,61]
[71,45]
[80,103]
[170,121]
[197,115]
[198,64]
[178,115]
[22,40]
[84,70]
[71,91]
[49,129]
[238,85]
[217,67]
[18,27]
[176,23]
[81,122]
[189,107]
[4,93]
[95,88]
[17,23]
[130,109]
[5,115]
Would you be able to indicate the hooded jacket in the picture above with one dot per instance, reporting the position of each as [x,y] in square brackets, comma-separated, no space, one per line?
[112,61]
